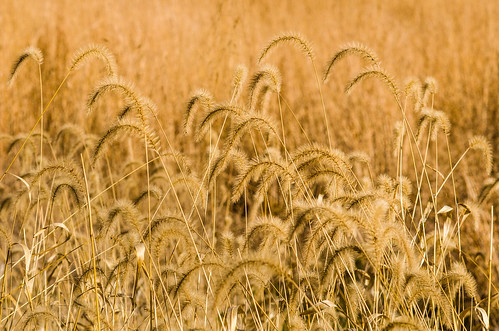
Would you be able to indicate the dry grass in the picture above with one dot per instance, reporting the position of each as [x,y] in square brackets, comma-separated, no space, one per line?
[234,185]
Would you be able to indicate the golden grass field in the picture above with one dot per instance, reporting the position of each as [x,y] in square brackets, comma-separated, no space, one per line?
[237,165]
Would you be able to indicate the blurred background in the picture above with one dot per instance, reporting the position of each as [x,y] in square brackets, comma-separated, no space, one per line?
[168,49]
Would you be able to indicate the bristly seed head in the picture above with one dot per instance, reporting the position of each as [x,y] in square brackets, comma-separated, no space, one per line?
[352,48]
[30,52]
[481,143]
[101,52]
[289,38]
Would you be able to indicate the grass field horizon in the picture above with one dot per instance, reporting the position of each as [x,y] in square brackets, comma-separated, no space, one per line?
[233,166]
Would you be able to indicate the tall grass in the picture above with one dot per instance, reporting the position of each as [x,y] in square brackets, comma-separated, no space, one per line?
[236,187]
[228,226]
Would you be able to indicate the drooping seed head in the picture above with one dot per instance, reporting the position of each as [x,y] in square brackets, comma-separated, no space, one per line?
[481,143]
[374,72]
[292,38]
[351,48]
[240,74]
[94,51]
[30,52]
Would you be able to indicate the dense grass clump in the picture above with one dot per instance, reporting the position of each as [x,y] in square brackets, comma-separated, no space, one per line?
[244,220]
